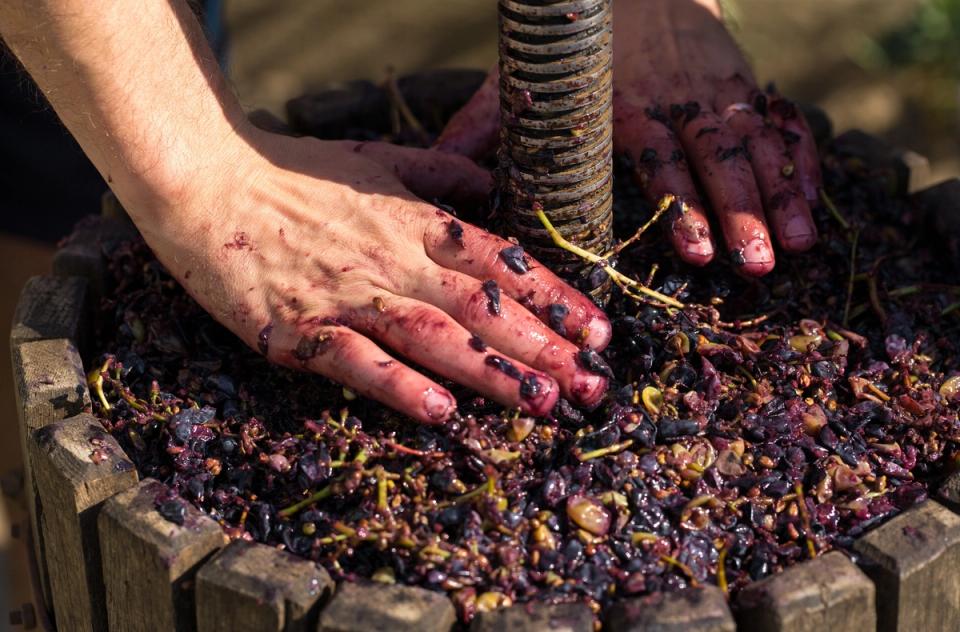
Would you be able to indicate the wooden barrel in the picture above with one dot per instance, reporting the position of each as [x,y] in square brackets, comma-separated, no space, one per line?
[109,561]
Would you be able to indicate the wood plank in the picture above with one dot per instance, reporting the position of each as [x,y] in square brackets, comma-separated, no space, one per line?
[826,593]
[80,255]
[76,466]
[535,617]
[913,560]
[702,609]
[393,607]
[328,111]
[49,385]
[942,205]
[51,307]
[909,171]
[150,563]
[949,492]
[50,382]
[258,588]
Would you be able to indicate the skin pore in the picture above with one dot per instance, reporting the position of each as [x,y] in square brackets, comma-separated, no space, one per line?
[319,254]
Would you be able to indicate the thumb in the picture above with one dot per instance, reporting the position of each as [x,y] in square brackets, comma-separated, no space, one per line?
[431,174]
[473,131]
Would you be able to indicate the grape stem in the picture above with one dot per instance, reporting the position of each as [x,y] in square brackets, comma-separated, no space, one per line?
[618,278]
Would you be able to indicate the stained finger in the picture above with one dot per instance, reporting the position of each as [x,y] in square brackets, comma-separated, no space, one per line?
[460,246]
[503,323]
[474,130]
[431,174]
[720,160]
[347,357]
[801,145]
[777,177]
[434,340]
[660,168]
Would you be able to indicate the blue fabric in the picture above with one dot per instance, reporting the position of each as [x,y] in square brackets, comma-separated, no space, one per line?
[216,30]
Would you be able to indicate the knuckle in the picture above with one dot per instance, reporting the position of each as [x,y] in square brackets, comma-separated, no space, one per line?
[475,306]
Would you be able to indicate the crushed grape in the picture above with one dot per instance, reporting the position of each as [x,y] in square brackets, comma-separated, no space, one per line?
[755,423]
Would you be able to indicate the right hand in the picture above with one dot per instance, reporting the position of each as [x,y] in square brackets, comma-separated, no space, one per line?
[318,252]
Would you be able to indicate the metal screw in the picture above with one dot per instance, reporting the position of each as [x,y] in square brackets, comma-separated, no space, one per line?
[556,138]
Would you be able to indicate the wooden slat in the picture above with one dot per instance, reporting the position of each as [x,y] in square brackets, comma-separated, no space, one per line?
[701,609]
[149,563]
[914,561]
[363,607]
[327,112]
[80,256]
[942,205]
[76,466]
[51,307]
[50,382]
[258,588]
[909,170]
[949,492]
[49,385]
[535,617]
[826,593]
[82,253]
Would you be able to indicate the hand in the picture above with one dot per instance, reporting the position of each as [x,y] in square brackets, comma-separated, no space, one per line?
[316,253]
[684,96]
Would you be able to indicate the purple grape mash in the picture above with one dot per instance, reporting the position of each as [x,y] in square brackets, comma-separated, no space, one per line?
[767,422]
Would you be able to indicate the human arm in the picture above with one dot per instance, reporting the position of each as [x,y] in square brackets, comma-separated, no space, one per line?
[312,252]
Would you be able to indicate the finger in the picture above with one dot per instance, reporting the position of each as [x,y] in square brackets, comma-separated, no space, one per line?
[775,171]
[505,324]
[719,158]
[660,168]
[431,174]
[475,129]
[460,246]
[801,144]
[349,358]
[433,339]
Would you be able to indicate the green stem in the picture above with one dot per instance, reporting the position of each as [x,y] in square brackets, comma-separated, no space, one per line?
[306,502]
[853,271]
[833,210]
[611,449]
[559,240]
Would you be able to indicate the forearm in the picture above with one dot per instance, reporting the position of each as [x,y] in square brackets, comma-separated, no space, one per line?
[135,82]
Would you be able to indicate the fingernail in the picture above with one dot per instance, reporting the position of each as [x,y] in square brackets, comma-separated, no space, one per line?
[543,402]
[599,334]
[799,233]
[700,249]
[587,388]
[757,252]
[438,404]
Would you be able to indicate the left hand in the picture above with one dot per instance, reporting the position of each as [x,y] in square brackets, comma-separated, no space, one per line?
[685,96]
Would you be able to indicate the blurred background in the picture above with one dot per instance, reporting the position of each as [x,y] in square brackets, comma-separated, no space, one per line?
[889,67]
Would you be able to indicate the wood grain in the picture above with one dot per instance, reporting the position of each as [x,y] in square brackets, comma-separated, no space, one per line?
[535,617]
[258,588]
[701,609]
[826,593]
[76,466]
[150,563]
[362,607]
[914,561]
